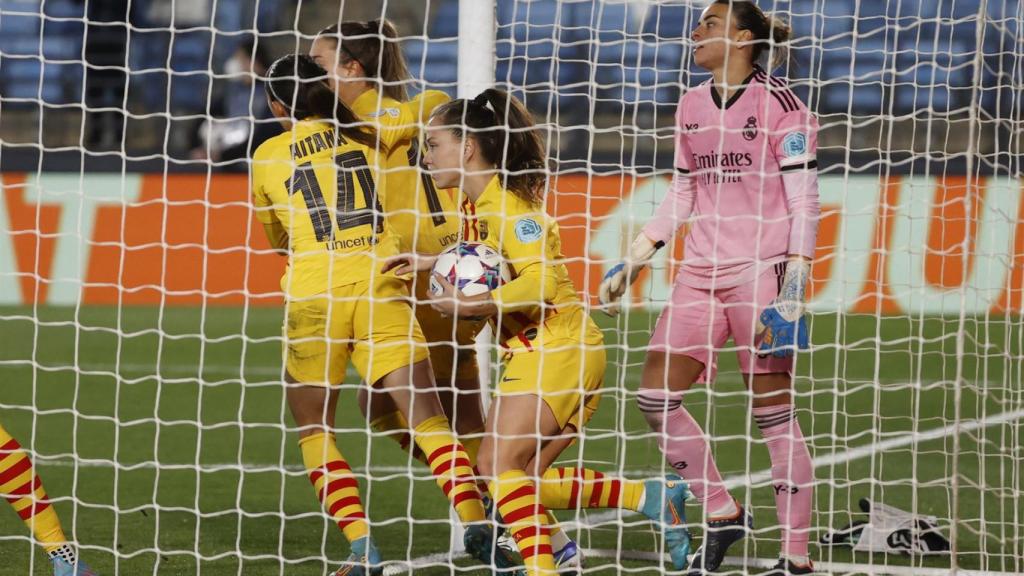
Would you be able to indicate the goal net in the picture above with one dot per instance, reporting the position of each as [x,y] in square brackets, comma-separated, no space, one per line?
[141,313]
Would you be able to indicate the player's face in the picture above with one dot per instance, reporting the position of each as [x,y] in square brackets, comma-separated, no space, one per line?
[443,154]
[714,37]
[324,52]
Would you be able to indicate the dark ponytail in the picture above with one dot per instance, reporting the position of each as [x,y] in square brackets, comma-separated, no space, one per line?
[770,32]
[374,45]
[507,137]
[300,85]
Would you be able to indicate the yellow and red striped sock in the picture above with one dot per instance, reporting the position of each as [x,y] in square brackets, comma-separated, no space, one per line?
[450,465]
[523,513]
[569,488]
[336,487]
[23,489]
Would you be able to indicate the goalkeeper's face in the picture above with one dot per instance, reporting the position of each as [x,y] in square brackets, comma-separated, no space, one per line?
[445,154]
[716,38]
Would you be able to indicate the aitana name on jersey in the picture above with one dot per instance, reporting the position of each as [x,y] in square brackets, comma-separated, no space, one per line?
[316,142]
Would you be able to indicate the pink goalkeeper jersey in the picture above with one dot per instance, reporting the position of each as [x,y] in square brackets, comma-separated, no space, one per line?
[746,213]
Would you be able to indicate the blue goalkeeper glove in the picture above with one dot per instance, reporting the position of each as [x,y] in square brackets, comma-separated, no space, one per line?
[781,327]
[779,334]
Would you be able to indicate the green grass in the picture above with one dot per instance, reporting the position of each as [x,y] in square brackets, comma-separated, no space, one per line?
[163,437]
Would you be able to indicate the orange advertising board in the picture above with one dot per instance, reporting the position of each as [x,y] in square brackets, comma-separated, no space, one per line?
[893,245]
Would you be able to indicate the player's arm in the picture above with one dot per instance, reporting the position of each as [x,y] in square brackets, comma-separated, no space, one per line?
[277,236]
[399,125]
[782,326]
[524,246]
[263,205]
[672,213]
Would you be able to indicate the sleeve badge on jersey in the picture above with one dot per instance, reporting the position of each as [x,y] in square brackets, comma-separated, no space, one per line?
[794,144]
[528,230]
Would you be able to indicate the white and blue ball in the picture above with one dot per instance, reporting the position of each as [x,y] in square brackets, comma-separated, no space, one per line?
[471,267]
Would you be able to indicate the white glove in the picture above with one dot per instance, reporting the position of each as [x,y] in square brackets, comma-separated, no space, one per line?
[621,276]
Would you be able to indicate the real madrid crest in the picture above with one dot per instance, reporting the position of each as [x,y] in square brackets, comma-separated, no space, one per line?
[482,224]
[750,129]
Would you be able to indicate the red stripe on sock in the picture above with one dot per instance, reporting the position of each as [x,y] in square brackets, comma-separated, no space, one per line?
[453,484]
[10,447]
[613,498]
[524,490]
[531,551]
[445,468]
[344,522]
[343,502]
[453,449]
[339,484]
[332,466]
[15,470]
[34,509]
[595,496]
[465,497]
[577,475]
[524,512]
[530,531]
[25,489]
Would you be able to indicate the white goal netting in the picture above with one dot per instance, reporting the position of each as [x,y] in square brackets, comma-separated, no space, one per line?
[141,314]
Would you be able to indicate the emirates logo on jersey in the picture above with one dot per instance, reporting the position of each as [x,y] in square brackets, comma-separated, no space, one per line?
[750,129]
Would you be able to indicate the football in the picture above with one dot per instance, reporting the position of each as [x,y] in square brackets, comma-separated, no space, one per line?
[471,267]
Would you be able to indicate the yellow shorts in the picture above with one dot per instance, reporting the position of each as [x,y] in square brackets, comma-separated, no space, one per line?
[376,331]
[451,343]
[567,376]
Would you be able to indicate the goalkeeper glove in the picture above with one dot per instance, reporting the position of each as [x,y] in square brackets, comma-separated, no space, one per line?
[622,275]
[781,327]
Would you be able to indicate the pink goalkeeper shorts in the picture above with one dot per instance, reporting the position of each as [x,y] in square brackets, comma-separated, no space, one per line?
[698,323]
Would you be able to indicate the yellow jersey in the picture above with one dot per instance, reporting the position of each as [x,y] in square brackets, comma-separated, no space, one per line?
[324,195]
[540,304]
[424,219]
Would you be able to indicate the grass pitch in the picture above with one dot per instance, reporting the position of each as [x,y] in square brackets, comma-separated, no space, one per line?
[163,438]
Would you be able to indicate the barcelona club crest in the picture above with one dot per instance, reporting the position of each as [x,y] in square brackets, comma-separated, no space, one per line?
[750,129]
[482,224]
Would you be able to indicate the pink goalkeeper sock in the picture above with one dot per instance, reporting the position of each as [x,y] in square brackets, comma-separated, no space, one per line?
[792,475]
[684,446]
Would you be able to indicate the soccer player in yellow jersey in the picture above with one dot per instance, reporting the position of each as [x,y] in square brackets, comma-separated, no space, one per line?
[315,191]
[369,74]
[553,352]
[24,491]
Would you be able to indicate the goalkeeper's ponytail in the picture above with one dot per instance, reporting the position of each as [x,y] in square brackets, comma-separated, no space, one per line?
[507,137]
[299,84]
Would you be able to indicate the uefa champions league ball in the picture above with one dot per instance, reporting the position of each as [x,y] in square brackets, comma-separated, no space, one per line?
[472,268]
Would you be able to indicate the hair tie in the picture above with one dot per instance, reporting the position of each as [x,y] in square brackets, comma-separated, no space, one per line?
[482,101]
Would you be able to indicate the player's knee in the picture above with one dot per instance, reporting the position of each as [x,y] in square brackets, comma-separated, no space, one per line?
[675,372]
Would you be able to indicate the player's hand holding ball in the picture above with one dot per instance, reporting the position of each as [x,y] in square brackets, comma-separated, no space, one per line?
[782,328]
[621,276]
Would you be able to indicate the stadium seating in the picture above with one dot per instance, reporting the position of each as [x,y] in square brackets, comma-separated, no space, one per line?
[897,57]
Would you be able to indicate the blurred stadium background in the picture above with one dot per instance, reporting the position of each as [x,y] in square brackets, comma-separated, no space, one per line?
[139,317]
[908,73]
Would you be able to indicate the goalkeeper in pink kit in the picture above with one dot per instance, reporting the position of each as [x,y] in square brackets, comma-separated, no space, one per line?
[746,183]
